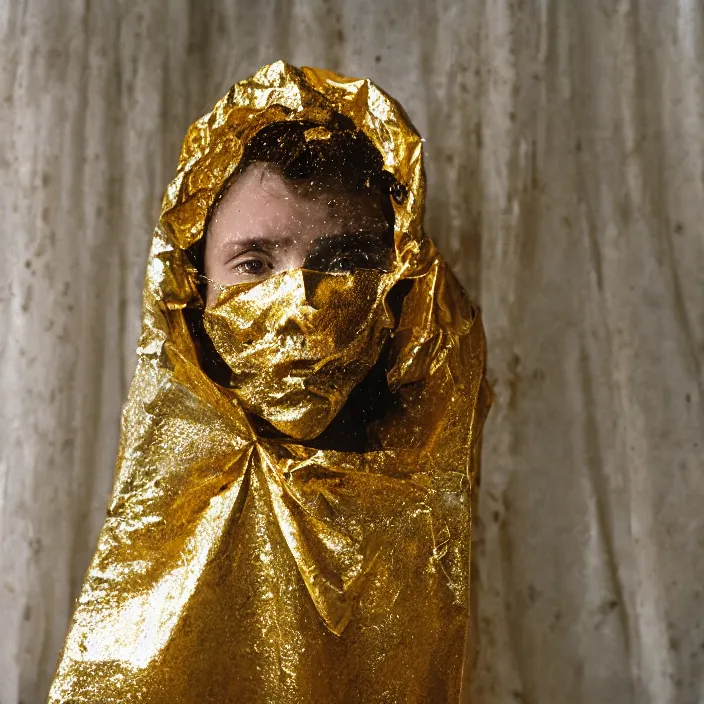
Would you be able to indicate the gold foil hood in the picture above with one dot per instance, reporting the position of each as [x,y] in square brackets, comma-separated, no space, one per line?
[236,566]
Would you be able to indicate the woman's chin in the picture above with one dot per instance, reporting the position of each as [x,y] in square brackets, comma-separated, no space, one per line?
[304,420]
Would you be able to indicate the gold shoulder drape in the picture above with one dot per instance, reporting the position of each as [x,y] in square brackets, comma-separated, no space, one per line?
[232,568]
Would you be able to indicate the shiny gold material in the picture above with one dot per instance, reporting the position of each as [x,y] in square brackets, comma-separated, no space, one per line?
[334,326]
[235,567]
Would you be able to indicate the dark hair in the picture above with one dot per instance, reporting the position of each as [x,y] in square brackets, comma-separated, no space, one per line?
[345,159]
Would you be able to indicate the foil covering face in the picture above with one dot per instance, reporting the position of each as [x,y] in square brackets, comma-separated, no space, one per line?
[299,342]
[240,566]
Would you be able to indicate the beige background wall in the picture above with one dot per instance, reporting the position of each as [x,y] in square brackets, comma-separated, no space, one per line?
[565,143]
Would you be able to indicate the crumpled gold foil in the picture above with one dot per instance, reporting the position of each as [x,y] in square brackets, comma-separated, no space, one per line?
[234,567]
[300,341]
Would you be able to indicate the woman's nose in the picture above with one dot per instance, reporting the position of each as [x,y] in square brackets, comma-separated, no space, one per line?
[293,257]
[296,308]
[306,281]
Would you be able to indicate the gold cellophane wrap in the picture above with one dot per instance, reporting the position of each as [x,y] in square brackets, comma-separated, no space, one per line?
[236,568]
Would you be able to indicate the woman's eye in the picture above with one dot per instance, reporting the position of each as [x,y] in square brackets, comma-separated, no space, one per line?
[342,264]
[252,267]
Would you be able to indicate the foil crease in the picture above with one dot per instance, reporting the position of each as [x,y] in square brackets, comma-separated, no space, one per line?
[237,568]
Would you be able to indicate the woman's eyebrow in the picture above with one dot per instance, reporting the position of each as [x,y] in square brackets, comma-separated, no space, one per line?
[262,244]
[354,237]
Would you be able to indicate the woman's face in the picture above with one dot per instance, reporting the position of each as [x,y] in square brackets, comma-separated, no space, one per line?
[264,225]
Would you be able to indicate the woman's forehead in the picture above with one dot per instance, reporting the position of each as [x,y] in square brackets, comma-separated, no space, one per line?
[262,204]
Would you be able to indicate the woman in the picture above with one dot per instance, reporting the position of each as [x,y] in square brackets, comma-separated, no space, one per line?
[290,520]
